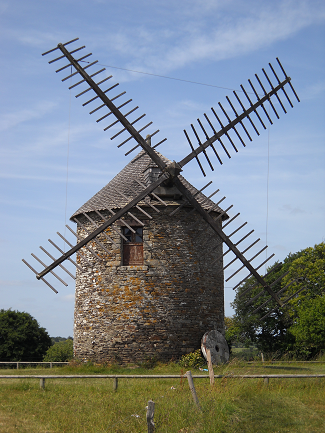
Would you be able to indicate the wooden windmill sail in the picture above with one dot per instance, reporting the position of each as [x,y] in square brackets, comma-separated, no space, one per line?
[213,134]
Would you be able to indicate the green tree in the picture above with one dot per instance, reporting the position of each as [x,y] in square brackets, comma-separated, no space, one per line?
[303,271]
[309,326]
[57,339]
[306,274]
[232,331]
[60,352]
[21,337]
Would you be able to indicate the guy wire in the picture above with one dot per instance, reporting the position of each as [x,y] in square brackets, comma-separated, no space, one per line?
[267,183]
[67,175]
[165,76]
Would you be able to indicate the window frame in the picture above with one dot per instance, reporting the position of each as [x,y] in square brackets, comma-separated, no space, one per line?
[132,250]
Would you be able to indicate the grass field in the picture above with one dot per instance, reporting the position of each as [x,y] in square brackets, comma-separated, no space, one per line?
[232,405]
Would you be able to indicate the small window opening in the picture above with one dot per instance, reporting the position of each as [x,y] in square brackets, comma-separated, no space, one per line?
[133,247]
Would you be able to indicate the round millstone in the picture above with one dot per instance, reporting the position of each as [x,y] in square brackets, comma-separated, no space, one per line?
[218,346]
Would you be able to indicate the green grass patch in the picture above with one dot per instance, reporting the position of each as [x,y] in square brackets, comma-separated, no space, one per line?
[232,405]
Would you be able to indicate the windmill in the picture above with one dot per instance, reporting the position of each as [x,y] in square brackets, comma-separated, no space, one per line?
[215,135]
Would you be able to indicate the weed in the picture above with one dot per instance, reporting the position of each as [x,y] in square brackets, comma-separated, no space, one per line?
[149,362]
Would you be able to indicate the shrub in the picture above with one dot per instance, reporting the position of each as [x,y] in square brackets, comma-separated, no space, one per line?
[193,360]
[60,352]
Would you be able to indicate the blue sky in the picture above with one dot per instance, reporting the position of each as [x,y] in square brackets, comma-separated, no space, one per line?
[277,183]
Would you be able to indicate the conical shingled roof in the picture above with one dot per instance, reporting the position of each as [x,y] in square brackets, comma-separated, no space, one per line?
[124,187]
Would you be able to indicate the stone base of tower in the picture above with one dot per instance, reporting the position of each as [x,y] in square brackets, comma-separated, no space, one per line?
[161,309]
[134,344]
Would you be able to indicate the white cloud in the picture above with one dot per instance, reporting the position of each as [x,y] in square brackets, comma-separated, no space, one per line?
[49,135]
[210,30]
[213,39]
[9,120]
[32,37]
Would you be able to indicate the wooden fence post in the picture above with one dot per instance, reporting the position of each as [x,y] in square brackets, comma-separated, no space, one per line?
[266,380]
[42,383]
[150,414]
[262,356]
[115,383]
[17,365]
[210,367]
[192,388]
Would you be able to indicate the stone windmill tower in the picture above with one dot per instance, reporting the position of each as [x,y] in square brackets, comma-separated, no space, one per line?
[154,293]
[153,285]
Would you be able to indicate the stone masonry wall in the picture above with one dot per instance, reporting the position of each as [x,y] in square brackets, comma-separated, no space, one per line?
[127,314]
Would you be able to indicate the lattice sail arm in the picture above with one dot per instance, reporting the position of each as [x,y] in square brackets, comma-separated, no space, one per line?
[116,216]
[224,129]
[233,247]
[189,197]
[107,102]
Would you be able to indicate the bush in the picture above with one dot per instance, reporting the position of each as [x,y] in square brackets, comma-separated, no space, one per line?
[193,360]
[60,352]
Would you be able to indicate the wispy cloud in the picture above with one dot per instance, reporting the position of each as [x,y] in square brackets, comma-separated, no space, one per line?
[32,37]
[9,120]
[210,30]
[49,135]
[292,210]
[214,39]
